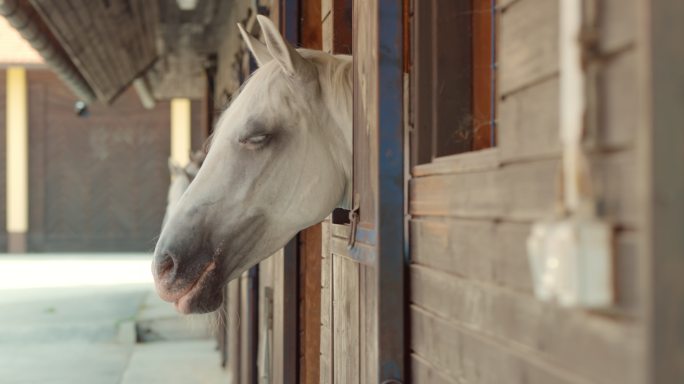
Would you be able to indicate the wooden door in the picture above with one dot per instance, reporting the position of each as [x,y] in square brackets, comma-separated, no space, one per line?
[367,288]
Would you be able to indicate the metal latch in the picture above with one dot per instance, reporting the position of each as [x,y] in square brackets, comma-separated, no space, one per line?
[354,220]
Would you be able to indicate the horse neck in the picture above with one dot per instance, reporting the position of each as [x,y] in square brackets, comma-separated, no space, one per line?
[337,88]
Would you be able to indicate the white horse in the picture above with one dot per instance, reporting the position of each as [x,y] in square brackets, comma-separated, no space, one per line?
[280,160]
[180,180]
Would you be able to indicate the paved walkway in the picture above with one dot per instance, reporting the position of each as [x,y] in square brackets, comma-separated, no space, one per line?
[75,319]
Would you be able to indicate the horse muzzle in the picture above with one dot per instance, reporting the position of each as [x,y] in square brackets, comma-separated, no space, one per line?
[192,284]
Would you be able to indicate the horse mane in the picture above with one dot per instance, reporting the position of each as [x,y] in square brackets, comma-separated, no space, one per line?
[336,70]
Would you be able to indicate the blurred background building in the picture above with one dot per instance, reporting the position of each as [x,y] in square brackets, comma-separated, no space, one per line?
[90,179]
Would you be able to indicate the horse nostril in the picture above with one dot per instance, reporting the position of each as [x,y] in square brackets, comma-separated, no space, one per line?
[166,266]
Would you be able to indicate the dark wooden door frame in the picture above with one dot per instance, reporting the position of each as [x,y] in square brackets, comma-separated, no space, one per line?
[392,252]
[383,229]
[310,239]
[289,25]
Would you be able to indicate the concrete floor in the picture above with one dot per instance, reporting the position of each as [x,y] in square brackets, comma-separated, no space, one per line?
[71,319]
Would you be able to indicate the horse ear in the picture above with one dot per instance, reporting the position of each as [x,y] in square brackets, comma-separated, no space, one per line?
[289,59]
[258,49]
[174,168]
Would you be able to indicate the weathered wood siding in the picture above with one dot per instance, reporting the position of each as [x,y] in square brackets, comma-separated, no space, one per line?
[473,315]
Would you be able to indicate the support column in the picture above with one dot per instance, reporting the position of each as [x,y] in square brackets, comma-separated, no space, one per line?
[180,131]
[17,160]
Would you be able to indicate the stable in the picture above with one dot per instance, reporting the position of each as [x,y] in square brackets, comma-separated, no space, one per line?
[515,210]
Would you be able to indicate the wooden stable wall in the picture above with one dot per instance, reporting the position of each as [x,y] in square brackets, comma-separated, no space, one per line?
[473,315]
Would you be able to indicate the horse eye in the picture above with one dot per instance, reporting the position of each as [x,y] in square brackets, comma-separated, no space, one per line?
[254,140]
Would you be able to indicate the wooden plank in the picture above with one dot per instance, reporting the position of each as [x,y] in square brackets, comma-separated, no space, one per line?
[248,326]
[327,33]
[341,15]
[326,361]
[222,328]
[480,194]
[365,107]
[340,230]
[616,24]
[528,123]
[482,160]
[290,300]
[60,20]
[618,19]
[277,374]
[284,357]
[310,305]
[265,346]
[528,120]
[234,317]
[326,8]
[528,44]
[107,41]
[619,98]
[369,323]
[310,25]
[346,347]
[365,361]
[361,253]
[466,357]
[455,246]
[310,246]
[598,348]
[523,191]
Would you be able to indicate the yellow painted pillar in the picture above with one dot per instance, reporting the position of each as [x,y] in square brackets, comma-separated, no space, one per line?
[180,131]
[17,159]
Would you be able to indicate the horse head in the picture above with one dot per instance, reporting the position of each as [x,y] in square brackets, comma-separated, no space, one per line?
[279,161]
